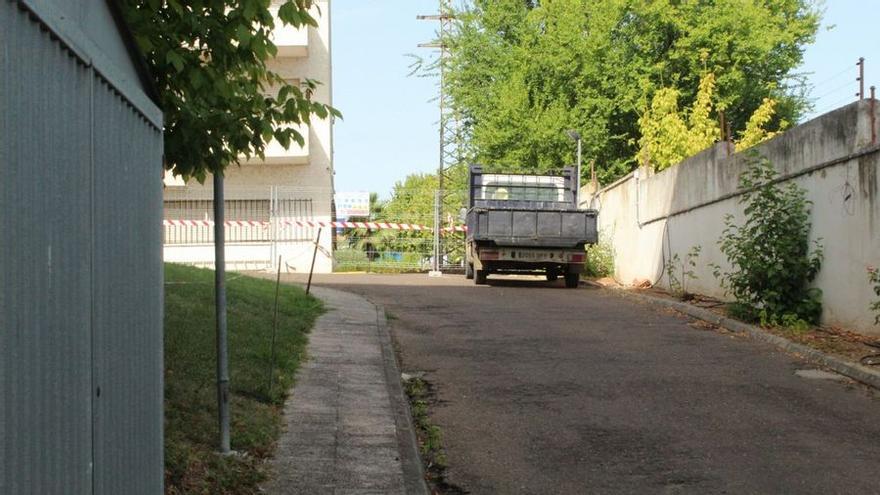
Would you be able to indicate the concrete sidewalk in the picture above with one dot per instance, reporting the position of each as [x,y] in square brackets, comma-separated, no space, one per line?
[348,426]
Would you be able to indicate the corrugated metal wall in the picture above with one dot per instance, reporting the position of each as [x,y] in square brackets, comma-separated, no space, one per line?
[80,274]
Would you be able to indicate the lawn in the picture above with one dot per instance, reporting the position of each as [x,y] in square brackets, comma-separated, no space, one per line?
[192,464]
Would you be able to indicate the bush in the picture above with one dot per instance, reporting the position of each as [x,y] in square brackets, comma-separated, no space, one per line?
[600,259]
[350,259]
[772,264]
[874,279]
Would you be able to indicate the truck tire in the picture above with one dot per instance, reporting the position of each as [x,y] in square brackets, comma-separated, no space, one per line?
[572,279]
[480,277]
[552,274]
[468,271]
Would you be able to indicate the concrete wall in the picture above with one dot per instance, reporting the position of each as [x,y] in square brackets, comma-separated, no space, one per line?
[312,180]
[648,217]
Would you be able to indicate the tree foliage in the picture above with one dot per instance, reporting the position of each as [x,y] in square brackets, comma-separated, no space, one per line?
[412,199]
[220,99]
[756,128]
[522,72]
[669,135]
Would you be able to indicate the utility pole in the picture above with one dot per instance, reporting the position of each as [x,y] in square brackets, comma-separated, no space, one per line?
[448,128]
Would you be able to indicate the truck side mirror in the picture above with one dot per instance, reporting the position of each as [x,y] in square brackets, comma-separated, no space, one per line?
[462,214]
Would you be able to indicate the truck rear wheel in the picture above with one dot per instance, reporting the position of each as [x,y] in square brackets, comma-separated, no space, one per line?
[572,279]
[468,271]
[480,277]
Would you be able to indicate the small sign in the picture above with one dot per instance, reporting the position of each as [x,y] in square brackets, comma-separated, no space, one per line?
[352,204]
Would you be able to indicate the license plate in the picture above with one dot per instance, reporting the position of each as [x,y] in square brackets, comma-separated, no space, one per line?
[530,255]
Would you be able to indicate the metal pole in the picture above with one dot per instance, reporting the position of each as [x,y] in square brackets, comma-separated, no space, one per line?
[861,65]
[445,18]
[438,213]
[274,329]
[314,255]
[730,145]
[593,180]
[220,308]
[873,117]
[435,266]
[578,182]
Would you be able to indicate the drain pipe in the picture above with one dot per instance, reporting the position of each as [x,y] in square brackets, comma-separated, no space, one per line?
[636,174]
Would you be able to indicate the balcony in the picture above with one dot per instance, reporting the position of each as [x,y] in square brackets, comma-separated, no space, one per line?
[171,180]
[291,41]
[277,155]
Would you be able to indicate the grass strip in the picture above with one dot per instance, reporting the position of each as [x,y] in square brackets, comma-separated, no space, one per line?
[192,464]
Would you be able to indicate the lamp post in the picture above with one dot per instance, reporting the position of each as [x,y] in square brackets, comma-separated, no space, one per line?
[575,136]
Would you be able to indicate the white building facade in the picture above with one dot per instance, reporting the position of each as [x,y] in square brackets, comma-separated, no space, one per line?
[270,201]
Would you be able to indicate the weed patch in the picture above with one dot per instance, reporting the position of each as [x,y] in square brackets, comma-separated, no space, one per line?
[429,436]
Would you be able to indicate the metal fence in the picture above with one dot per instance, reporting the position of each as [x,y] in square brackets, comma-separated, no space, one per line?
[397,241]
[247,220]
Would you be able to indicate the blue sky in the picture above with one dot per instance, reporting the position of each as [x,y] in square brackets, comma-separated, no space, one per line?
[390,124]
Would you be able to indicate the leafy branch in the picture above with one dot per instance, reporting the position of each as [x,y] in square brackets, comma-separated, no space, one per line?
[220,98]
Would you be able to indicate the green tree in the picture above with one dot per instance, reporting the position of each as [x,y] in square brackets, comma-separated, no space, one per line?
[412,200]
[521,72]
[220,99]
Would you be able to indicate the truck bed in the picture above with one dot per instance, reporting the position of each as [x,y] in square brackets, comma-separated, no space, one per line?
[532,227]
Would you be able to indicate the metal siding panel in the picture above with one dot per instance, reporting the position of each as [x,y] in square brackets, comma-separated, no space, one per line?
[45,301]
[78,29]
[550,224]
[500,222]
[574,225]
[525,224]
[127,299]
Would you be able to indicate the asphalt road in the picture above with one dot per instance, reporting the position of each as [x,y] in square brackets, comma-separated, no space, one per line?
[543,389]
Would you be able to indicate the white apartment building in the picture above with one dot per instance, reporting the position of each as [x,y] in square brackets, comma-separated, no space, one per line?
[266,198]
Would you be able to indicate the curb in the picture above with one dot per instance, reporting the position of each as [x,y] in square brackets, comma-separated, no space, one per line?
[407,446]
[852,370]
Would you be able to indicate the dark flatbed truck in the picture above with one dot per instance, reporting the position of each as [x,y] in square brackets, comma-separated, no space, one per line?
[526,224]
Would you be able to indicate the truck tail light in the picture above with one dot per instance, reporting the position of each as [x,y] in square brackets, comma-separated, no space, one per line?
[576,258]
[488,255]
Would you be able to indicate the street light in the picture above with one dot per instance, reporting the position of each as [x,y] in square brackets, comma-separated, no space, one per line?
[575,136]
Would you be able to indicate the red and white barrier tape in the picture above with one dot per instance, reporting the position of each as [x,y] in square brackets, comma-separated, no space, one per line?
[358,225]
[313,224]
[210,223]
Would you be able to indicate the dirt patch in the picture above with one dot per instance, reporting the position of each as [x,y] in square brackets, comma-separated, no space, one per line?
[836,341]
